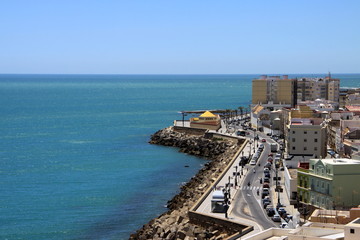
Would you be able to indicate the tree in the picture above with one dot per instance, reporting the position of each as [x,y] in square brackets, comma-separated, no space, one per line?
[241,108]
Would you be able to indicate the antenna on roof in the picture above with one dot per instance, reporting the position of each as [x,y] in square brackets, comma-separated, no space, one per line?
[329,75]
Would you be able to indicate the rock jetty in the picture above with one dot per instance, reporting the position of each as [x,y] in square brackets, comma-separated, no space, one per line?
[175,223]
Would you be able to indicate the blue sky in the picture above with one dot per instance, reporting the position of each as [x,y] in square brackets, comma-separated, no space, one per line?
[179,37]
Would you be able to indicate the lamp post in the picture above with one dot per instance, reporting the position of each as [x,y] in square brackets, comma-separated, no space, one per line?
[250,142]
[277,179]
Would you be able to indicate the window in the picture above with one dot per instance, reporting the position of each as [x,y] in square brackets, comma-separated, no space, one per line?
[305,132]
[315,139]
[293,148]
[312,166]
[305,148]
[293,140]
[315,132]
[315,148]
[305,140]
[352,230]
[293,132]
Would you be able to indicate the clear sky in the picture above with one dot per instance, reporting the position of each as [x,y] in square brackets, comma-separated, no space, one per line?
[179,36]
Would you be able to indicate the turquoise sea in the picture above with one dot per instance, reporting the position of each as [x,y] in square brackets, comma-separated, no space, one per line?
[74,157]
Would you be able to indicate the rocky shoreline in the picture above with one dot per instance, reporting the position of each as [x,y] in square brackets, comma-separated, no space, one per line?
[175,223]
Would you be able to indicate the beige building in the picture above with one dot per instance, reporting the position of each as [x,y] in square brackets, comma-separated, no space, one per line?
[307,136]
[274,90]
[310,89]
[335,216]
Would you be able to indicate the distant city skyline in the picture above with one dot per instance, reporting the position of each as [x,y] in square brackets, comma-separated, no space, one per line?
[179,37]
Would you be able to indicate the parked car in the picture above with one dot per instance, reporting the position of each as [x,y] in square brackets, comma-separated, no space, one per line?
[270,211]
[288,217]
[268,134]
[266,180]
[265,192]
[276,218]
[266,185]
[263,140]
[284,225]
[267,175]
[281,211]
[266,203]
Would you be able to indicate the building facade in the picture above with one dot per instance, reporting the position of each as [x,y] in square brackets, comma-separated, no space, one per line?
[334,183]
[307,136]
[207,120]
[274,90]
[310,89]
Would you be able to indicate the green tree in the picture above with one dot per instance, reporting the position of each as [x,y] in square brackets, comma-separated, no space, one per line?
[241,108]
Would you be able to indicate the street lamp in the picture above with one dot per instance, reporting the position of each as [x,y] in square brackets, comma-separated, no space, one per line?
[277,179]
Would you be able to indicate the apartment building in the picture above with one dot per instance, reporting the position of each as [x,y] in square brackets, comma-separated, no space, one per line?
[307,136]
[274,90]
[310,89]
[333,183]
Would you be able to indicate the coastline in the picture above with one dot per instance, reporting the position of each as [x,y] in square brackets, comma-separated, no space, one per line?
[175,222]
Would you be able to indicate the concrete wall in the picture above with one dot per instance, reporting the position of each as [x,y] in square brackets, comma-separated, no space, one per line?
[268,233]
[352,230]
[191,131]
[290,184]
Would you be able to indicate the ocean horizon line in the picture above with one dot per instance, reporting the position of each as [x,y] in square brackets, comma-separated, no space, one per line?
[173,74]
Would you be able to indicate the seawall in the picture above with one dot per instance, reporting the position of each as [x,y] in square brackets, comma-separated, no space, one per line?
[175,223]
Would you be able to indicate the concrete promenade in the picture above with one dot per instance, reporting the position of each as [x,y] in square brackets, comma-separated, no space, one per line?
[205,207]
[228,177]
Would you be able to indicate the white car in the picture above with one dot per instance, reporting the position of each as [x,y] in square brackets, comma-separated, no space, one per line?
[284,225]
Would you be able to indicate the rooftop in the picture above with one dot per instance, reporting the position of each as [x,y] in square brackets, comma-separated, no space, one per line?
[301,121]
[207,114]
[340,161]
[353,108]
[293,173]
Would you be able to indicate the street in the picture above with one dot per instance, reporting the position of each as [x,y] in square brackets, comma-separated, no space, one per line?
[247,203]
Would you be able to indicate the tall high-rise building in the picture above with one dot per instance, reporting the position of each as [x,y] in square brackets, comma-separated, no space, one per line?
[274,90]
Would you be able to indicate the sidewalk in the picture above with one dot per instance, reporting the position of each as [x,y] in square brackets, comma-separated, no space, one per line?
[284,199]
[205,207]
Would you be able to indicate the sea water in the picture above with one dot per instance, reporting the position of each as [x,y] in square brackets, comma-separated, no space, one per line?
[75,162]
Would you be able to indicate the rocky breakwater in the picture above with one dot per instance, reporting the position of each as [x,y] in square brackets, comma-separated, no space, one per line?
[175,223]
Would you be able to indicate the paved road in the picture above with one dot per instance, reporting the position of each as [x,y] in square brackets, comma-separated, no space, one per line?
[247,203]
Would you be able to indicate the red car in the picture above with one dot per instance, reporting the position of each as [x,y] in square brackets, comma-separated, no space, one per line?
[263,140]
